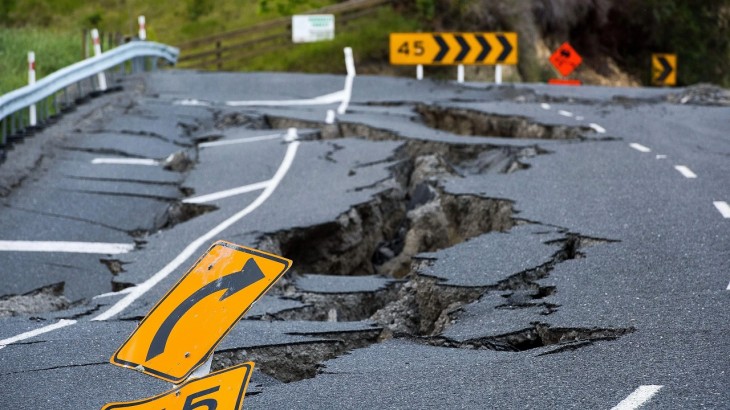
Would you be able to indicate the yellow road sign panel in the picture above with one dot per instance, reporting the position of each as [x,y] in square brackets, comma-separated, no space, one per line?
[453,48]
[220,390]
[183,329]
[664,69]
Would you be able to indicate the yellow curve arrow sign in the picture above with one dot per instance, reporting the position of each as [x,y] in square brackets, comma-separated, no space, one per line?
[183,329]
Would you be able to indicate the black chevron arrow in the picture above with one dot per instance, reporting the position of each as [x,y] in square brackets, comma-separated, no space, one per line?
[443,49]
[506,48]
[464,48]
[486,48]
[667,69]
[235,282]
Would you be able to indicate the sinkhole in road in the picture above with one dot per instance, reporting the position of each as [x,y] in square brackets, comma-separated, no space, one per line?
[382,237]
[48,298]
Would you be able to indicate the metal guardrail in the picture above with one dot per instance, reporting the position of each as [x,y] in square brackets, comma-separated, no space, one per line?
[14,104]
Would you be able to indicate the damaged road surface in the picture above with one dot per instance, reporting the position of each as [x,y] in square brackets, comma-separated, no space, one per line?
[470,246]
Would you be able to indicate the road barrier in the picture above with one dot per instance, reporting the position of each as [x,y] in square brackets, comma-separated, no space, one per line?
[226,51]
[77,78]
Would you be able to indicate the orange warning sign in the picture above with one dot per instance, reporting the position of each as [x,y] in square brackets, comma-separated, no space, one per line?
[565,59]
[183,329]
[220,390]
[453,48]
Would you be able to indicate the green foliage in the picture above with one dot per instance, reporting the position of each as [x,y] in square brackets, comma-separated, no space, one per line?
[426,9]
[368,38]
[53,50]
[199,8]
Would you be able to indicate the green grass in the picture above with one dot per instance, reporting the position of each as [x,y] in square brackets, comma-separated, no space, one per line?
[53,50]
[368,38]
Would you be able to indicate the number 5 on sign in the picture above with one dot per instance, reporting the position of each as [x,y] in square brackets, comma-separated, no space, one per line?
[217,391]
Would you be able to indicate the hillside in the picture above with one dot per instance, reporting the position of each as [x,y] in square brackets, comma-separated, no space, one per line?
[615,37]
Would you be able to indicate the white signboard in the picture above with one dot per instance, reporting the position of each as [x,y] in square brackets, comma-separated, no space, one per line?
[312,27]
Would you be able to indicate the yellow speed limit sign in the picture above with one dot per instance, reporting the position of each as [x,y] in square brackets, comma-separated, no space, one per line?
[221,390]
[453,48]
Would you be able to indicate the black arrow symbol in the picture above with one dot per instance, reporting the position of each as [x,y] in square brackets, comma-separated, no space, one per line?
[464,48]
[443,48]
[486,48]
[235,282]
[667,69]
[506,48]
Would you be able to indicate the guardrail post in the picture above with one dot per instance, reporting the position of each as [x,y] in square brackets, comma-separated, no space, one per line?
[142,29]
[97,53]
[31,80]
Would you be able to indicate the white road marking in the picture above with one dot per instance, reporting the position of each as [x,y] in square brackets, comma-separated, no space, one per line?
[638,398]
[579,118]
[66,247]
[659,156]
[45,329]
[639,147]
[239,141]
[565,113]
[685,171]
[192,248]
[545,106]
[126,161]
[723,207]
[330,118]
[117,293]
[193,102]
[350,65]
[227,193]
[331,98]
[597,127]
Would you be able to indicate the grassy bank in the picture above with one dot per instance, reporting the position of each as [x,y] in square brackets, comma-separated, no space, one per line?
[53,49]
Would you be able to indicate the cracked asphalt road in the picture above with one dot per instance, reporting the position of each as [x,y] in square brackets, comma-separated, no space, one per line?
[454,246]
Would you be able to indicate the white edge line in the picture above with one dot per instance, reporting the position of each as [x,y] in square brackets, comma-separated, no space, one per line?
[193,247]
[66,247]
[638,398]
[227,193]
[639,147]
[728,287]
[545,106]
[684,170]
[126,161]
[239,141]
[723,207]
[27,335]
[331,98]
[350,66]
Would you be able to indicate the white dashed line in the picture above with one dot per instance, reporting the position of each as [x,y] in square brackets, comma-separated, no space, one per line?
[723,207]
[659,156]
[597,127]
[239,141]
[192,102]
[639,147]
[545,106]
[638,398]
[192,248]
[579,118]
[66,247]
[685,171]
[565,113]
[27,335]
[227,193]
[126,161]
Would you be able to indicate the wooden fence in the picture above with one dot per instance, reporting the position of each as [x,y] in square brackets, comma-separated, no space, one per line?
[227,51]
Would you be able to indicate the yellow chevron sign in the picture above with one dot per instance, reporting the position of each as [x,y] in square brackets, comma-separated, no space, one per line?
[453,48]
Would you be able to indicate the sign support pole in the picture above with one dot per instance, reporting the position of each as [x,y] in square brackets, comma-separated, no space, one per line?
[498,74]
[460,73]
[419,72]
